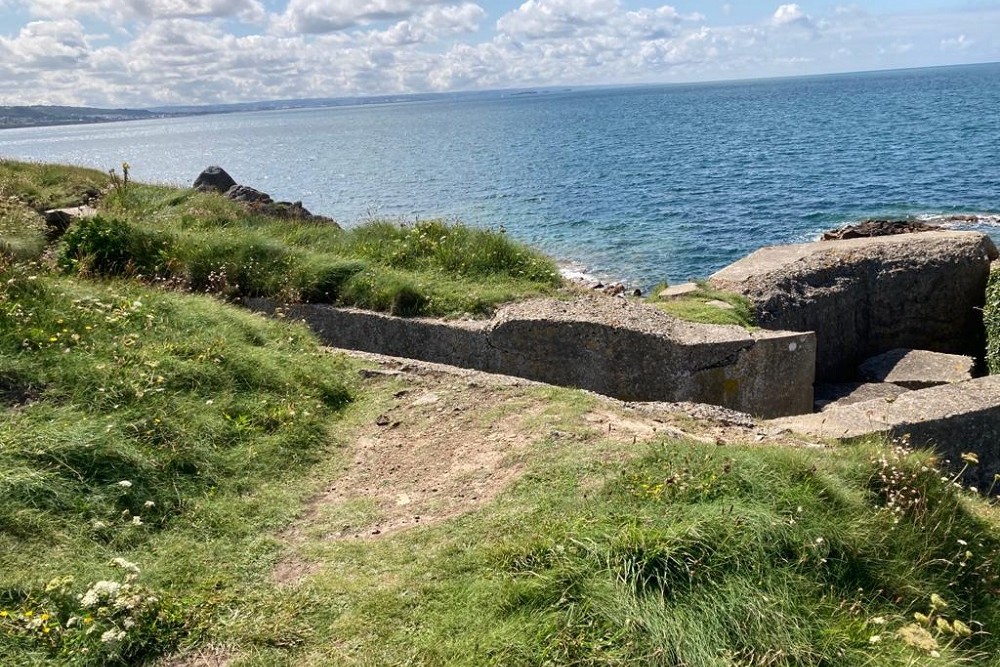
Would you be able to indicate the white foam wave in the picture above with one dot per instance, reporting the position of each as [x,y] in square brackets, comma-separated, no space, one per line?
[961,220]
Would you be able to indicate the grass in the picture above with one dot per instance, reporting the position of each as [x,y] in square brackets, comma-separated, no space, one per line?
[203,242]
[991,318]
[697,307]
[690,554]
[46,186]
[128,410]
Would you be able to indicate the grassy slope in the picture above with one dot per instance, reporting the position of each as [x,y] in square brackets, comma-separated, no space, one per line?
[117,396]
[207,243]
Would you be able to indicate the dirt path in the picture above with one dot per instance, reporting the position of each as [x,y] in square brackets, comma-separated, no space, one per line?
[441,441]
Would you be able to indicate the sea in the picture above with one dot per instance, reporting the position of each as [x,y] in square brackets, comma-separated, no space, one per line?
[644,185]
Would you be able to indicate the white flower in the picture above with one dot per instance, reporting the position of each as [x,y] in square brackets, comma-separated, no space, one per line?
[112,635]
[102,589]
[125,484]
[819,540]
[124,564]
[148,504]
[137,521]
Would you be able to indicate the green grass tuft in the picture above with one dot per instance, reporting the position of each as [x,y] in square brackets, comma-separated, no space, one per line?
[991,318]
[695,307]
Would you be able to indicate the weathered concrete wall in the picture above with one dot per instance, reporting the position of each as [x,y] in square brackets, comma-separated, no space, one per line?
[952,419]
[611,346]
[867,296]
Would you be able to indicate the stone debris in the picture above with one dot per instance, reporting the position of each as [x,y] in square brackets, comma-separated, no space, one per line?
[827,396]
[917,369]
[953,419]
[58,220]
[678,291]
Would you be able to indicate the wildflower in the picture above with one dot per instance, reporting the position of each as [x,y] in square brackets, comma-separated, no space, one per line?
[961,629]
[921,618]
[137,520]
[97,592]
[112,635]
[125,484]
[875,639]
[148,504]
[125,565]
[971,458]
[937,602]
[943,625]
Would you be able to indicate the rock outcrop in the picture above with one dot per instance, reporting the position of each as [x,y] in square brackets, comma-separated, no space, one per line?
[866,296]
[871,228]
[215,179]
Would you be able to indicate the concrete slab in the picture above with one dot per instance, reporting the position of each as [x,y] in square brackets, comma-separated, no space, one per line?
[623,349]
[849,393]
[678,291]
[917,369]
[865,296]
[952,419]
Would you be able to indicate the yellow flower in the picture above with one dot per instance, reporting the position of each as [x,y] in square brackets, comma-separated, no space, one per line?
[961,629]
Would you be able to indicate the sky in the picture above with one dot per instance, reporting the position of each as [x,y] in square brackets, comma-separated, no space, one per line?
[138,53]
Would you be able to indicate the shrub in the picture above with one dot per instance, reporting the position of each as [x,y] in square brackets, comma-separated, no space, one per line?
[325,282]
[113,247]
[235,268]
[113,622]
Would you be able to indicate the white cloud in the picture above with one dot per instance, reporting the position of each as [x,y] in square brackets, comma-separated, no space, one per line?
[40,45]
[324,16]
[539,19]
[432,24]
[124,10]
[151,52]
[960,43]
[791,15]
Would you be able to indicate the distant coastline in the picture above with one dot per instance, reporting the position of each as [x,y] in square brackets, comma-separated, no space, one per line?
[44,116]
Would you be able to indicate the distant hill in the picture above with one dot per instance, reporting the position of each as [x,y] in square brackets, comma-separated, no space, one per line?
[28,116]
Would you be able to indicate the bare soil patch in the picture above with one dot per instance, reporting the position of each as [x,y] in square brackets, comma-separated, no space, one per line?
[442,441]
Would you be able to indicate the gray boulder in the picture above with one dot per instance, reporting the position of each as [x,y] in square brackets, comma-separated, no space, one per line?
[917,369]
[866,296]
[214,179]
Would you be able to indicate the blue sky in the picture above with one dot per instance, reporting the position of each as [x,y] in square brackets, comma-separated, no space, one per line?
[152,52]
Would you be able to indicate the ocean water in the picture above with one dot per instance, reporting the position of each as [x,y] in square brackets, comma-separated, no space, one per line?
[643,184]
